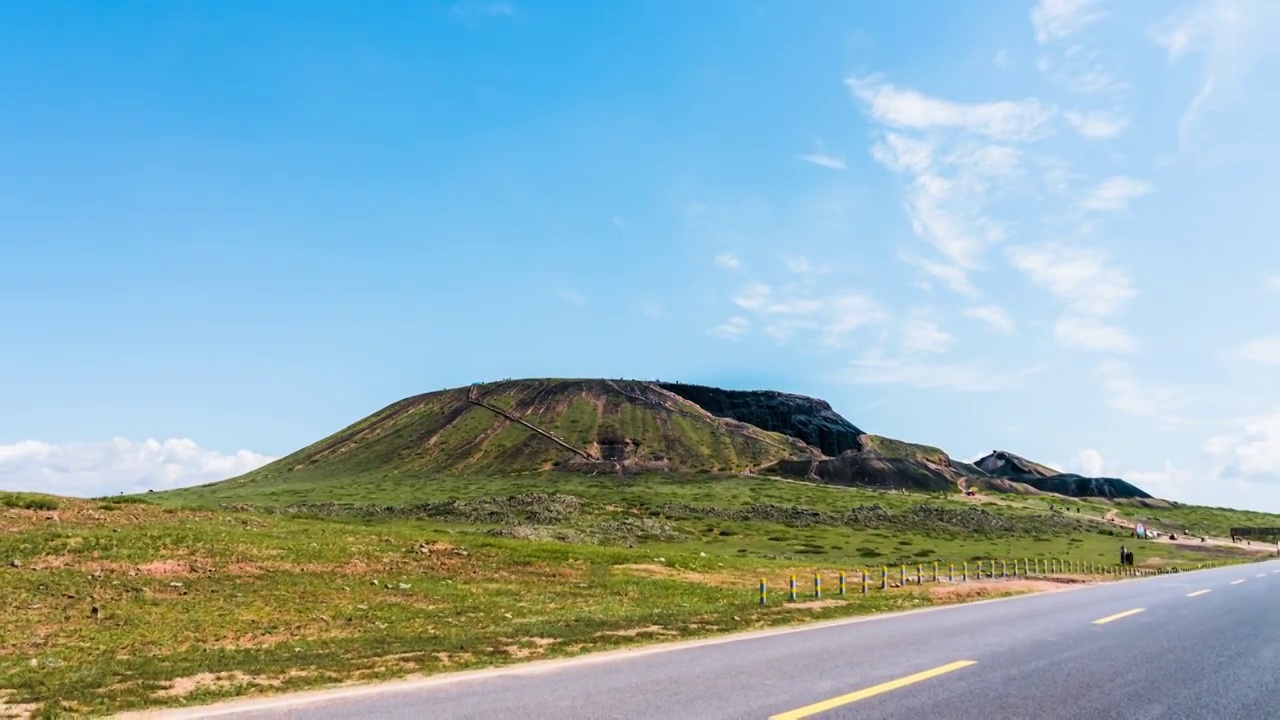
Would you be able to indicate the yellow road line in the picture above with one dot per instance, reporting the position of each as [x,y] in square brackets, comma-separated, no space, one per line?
[853,697]
[1198,592]
[1117,616]
[1236,582]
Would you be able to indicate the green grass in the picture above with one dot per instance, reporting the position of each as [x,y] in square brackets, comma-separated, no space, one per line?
[334,579]
[28,501]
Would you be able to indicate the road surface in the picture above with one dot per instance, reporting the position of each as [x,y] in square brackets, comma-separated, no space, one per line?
[1194,645]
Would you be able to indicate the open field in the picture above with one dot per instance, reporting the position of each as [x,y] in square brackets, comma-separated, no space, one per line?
[128,603]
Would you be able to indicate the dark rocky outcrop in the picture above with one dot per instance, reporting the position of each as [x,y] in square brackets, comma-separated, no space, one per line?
[1006,465]
[1001,463]
[1073,485]
[804,418]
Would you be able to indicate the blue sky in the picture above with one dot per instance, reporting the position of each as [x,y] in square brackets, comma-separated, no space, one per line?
[231,228]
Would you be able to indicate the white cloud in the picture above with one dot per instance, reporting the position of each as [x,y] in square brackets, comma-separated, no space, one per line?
[939,376]
[1002,59]
[792,309]
[728,260]
[848,312]
[950,179]
[1233,35]
[573,297]
[953,276]
[827,161]
[753,296]
[1057,19]
[732,329]
[1263,350]
[1083,277]
[1251,455]
[994,316]
[1116,193]
[798,264]
[90,469]
[1272,283]
[1092,335]
[1168,482]
[1088,463]
[904,108]
[1097,125]
[920,334]
[1126,393]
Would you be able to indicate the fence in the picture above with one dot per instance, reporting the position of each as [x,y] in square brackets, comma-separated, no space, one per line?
[884,578]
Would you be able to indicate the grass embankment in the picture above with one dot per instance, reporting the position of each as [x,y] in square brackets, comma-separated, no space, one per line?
[117,605]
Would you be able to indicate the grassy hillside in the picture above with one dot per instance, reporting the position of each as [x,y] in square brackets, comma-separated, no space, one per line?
[284,591]
[443,433]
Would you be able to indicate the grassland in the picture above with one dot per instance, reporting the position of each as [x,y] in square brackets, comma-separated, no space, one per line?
[207,593]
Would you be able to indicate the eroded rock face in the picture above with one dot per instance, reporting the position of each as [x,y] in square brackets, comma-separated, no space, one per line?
[1078,486]
[1004,464]
[805,418]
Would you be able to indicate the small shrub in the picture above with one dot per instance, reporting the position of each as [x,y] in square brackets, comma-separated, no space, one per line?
[23,501]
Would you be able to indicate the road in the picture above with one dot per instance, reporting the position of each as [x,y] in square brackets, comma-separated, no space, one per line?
[1195,645]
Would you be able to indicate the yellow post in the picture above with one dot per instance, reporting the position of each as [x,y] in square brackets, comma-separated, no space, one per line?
[817,586]
[919,573]
[841,583]
[884,577]
[764,592]
[864,581]
[902,575]
[979,569]
[1004,569]
[965,565]
[935,571]
[793,588]
[951,572]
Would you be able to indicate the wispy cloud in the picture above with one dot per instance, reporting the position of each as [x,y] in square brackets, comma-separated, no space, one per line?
[732,329]
[1252,454]
[1272,283]
[1127,394]
[920,334]
[1097,125]
[1084,277]
[1233,35]
[573,297]
[828,318]
[1092,335]
[1005,120]
[728,260]
[932,375]
[1261,350]
[827,161]
[1057,19]
[994,316]
[1116,193]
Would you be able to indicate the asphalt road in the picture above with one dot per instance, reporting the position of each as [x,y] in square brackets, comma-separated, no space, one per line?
[1152,648]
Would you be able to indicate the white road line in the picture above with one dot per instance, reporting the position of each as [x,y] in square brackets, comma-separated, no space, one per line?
[1198,593]
[1236,582]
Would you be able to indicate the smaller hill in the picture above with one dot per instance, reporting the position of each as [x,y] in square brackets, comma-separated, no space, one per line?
[1007,469]
[1001,463]
[883,463]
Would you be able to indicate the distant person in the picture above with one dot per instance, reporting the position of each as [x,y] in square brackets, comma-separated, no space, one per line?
[1123,554]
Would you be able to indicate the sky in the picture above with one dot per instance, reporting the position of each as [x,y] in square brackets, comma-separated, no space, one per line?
[229,229]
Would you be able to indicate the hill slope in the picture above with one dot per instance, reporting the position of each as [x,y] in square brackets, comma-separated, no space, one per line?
[1005,465]
[537,425]
[618,426]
